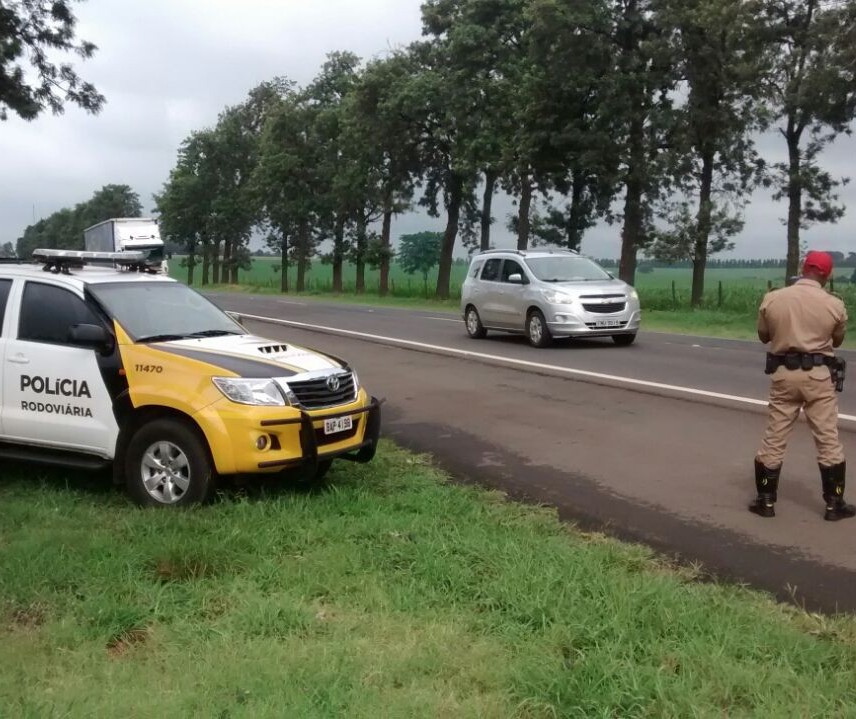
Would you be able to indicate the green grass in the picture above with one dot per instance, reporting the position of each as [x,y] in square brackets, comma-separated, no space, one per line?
[391,594]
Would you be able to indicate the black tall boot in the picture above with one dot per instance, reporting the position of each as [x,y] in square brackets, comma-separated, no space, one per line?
[833,493]
[767,485]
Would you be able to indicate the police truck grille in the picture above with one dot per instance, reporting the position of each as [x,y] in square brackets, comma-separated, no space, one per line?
[605,309]
[317,393]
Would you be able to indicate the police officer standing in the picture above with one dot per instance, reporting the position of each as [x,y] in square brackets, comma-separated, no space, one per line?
[802,324]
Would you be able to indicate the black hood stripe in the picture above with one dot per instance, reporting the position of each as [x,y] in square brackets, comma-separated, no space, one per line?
[239,365]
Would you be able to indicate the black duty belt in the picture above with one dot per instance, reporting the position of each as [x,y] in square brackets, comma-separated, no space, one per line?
[798,360]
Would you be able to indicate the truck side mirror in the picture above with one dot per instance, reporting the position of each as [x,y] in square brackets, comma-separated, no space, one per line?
[92,336]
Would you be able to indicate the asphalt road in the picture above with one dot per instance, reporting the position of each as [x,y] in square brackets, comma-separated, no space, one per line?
[662,462]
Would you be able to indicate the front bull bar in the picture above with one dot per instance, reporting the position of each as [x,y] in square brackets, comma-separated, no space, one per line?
[362,454]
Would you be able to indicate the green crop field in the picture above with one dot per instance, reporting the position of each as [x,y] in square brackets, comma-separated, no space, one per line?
[732,289]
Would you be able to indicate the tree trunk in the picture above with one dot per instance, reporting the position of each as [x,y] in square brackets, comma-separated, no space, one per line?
[794,202]
[302,255]
[227,265]
[215,261]
[191,261]
[487,204]
[631,233]
[385,243]
[283,282]
[362,242]
[523,221]
[576,217]
[447,249]
[338,252]
[705,208]
[233,272]
[206,260]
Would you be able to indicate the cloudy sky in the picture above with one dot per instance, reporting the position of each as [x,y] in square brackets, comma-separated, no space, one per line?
[167,67]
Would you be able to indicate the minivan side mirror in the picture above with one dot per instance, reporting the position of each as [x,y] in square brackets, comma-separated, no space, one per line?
[93,336]
[516,279]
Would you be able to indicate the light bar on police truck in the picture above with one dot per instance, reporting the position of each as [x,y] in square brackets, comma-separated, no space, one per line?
[82,258]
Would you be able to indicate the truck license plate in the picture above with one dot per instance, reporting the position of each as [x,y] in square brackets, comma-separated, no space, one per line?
[338,424]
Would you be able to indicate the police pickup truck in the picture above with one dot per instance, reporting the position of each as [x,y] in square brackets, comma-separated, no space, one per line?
[106,364]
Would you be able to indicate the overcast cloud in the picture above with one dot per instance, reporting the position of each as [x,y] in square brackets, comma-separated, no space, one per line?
[167,67]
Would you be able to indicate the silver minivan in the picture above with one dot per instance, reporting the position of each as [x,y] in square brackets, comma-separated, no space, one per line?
[547,294]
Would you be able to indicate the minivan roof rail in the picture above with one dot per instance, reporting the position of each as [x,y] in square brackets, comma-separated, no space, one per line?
[547,250]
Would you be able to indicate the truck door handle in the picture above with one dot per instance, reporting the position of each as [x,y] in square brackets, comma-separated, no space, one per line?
[19,359]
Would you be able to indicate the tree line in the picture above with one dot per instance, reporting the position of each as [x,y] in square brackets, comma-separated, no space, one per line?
[642,113]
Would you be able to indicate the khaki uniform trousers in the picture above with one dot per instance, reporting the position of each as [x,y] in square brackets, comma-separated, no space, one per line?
[814,393]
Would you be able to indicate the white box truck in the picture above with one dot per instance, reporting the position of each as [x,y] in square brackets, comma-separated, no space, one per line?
[132,234]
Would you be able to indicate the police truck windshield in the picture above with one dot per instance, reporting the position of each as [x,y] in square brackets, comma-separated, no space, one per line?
[162,311]
[566,269]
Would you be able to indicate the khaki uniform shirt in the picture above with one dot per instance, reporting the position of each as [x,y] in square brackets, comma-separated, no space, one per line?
[803,318]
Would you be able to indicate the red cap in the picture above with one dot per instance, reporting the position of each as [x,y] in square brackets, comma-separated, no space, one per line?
[821,262]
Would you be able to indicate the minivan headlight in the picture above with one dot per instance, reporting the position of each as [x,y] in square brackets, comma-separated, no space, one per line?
[257,392]
[558,298]
[634,295]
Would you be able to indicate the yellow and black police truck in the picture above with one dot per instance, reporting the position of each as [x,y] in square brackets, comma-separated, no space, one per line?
[106,363]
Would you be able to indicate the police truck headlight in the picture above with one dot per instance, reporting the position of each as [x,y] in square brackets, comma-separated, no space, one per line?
[258,392]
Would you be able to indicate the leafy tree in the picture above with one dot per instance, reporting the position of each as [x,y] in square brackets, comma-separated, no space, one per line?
[8,250]
[716,44]
[442,112]
[623,110]
[812,91]
[32,32]
[485,43]
[290,183]
[346,186]
[380,148]
[421,253]
[184,203]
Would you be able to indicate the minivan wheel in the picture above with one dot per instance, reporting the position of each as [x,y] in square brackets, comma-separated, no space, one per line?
[475,328]
[537,330]
[624,340]
[167,464]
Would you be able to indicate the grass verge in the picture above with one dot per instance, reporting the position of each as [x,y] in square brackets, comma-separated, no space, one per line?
[392,593]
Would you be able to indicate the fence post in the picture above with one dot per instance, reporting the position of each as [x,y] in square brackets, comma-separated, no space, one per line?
[674,296]
[719,298]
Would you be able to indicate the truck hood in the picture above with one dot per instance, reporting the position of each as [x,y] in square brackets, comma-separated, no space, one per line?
[253,356]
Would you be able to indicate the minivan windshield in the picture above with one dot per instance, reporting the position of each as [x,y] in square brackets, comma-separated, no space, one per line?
[566,269]
[162,311]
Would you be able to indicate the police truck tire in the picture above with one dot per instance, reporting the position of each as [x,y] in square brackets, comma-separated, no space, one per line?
[167,464]
[624,340]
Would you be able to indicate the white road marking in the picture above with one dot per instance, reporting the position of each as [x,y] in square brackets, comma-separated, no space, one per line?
[453,351]
[446,319]
[290,302]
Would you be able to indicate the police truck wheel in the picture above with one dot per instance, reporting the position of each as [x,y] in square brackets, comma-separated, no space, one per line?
[624,340]
[475,328]
[167,464]
[537,330]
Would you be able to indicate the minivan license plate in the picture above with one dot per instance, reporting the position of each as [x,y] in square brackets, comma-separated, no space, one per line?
[338,424]
[607,323]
